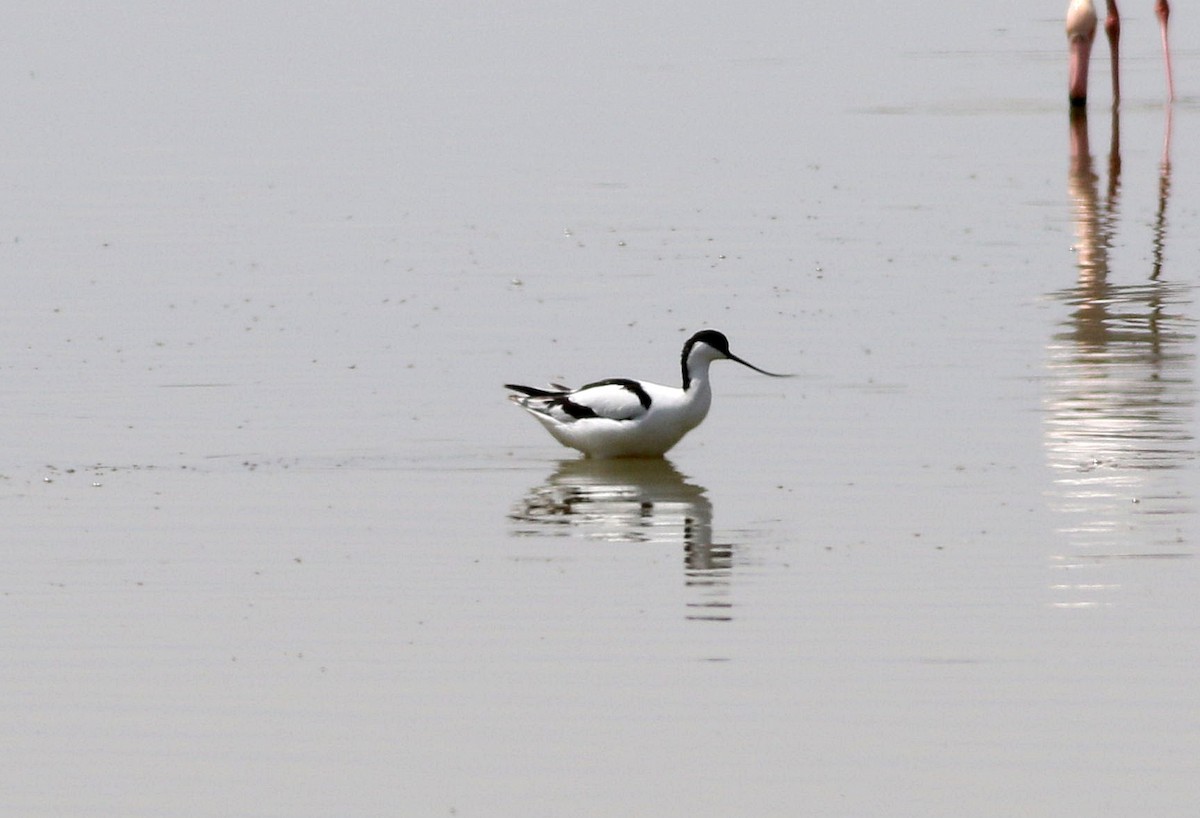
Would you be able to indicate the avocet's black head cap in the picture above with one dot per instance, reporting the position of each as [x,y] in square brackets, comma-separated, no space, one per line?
[712,337]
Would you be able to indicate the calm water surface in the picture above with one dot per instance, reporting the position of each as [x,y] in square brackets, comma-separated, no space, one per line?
[276,545]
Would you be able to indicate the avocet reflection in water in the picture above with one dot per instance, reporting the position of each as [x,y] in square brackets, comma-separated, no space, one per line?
[635,501]
[1121,394]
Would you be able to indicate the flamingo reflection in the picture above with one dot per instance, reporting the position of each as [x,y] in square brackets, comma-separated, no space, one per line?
[1121,393]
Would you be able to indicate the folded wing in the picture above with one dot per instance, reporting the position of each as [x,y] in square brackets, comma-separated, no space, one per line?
[614,399]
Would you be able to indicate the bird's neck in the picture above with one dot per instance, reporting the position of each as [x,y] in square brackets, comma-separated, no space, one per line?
[697,395]
[695,377]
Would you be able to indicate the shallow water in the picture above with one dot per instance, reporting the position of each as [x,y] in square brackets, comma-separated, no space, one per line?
[277,545]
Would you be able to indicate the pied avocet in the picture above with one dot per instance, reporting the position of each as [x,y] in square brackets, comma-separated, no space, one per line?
[619,417]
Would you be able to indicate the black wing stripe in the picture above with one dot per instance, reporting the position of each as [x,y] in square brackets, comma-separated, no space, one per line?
[627,384]
[575,410]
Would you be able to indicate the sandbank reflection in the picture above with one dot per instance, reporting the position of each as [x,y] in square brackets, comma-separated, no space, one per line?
[1121,391]
[635,501]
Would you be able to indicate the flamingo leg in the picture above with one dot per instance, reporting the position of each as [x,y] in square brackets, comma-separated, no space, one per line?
[1081,30]
[1163,10]
[1112,27]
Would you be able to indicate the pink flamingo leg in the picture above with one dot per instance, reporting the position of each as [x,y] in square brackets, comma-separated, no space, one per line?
[1112,27]
[1081,30]
[1164,11]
